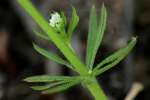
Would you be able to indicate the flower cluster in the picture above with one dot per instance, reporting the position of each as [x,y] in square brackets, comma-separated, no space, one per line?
[56,21]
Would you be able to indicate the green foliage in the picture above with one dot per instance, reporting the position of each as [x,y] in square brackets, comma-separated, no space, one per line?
[41,35]
[114,59]
[95,35]
[48,78]
[91,36]
[73,23]
[52,56]
[61,87]
[53,83]
[64,18]
[87,72]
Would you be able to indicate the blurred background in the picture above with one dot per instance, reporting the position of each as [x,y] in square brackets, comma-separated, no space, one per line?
[18,59]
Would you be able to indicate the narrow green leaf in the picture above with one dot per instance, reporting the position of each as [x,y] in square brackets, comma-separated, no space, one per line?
[114,59]
[40,88]
[48,78]
[91,35]
[64,18]
[55,84]
[47,86]
[97,37]
[61,87]
[73,23]
[110,59]
[41,35]
[101,27]
[50,55]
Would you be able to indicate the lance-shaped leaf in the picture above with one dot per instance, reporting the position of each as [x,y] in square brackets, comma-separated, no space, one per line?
[47,86]
[64,18]
[41,35]
[73,23]
[48,78]
[61,87]
[114,59]
[52,56]
[91,35]
[53,83]
[95,35]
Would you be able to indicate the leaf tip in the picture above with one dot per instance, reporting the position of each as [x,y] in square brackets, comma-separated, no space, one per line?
[103,5]
[134,41]
[134,38]
[26,80]
[103,8]
[93,6]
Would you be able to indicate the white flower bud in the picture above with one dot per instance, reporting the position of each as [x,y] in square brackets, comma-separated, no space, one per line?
[56,22]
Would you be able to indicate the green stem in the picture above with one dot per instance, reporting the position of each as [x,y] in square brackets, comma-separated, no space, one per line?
[96,90]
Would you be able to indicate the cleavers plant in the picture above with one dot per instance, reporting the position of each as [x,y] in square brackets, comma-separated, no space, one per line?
[56,32]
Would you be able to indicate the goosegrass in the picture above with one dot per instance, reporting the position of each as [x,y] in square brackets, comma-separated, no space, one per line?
[87,72]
